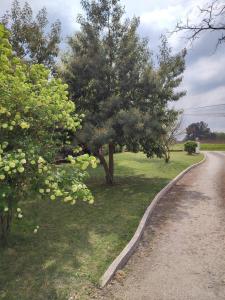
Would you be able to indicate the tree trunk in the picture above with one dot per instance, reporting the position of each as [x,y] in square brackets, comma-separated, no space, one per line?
[108,168]
[111,162]
[5,225]
[167,156]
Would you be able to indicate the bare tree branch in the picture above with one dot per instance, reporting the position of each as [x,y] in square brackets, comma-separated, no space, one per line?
[212,19]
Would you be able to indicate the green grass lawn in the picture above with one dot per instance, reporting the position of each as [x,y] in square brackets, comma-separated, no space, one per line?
[204,147]
[177,147]
[213,147]
[75,244]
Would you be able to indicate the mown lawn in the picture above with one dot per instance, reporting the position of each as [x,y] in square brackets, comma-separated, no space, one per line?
[75,244]
[204,147]
[213,147]
[177,147]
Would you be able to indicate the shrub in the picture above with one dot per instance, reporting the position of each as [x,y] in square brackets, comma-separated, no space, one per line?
[36,118]
[190,147]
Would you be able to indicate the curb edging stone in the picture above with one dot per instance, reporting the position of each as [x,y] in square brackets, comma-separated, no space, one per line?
[121,260]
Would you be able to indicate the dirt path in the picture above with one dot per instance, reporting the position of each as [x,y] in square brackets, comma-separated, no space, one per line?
[182,254]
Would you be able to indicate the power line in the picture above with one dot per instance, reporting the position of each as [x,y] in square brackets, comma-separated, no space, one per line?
[206,114]
[206,107]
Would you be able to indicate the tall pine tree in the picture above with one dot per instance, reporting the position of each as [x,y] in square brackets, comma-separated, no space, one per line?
[111,77]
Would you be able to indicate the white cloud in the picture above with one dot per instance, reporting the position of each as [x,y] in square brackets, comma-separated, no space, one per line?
[215,96]
[165,16]
[162,18]
[206,70]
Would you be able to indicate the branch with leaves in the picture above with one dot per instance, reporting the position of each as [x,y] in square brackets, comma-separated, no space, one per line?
[29,35]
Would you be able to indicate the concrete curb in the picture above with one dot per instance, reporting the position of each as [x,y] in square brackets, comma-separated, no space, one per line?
[126,253]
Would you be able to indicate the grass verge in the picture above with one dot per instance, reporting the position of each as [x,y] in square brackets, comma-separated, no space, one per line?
[76,244]
[213,147]
[204,147]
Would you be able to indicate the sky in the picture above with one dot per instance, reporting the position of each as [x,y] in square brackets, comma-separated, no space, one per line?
[204,77]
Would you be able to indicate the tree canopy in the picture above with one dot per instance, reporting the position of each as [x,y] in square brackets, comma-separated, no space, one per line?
[35,118]
[30,38]
[198,130]
[111,77]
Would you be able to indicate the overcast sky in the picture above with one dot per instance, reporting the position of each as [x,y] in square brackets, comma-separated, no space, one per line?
[204,78]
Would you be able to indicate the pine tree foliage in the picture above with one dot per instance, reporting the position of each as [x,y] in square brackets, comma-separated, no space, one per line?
[30,38]
[111,77]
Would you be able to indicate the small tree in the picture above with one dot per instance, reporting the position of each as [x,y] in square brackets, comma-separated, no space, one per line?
[172,131]
[30,38]
[35,118]
[190,147]
[167,77]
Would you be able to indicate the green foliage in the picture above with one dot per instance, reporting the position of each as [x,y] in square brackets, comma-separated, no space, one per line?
[219,136]
[198,130]
[35,118]
[203,146]
[29,37]
[190,147]
[216,137]
[111,77]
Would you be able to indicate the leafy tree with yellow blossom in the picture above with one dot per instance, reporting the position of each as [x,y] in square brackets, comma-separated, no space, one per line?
[36,119]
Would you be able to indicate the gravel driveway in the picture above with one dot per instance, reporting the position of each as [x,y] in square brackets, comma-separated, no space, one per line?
[182,254]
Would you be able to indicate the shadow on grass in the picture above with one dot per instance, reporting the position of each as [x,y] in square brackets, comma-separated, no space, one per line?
[75,244]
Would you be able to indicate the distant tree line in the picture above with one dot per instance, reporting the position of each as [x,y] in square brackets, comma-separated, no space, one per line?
[201,131]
